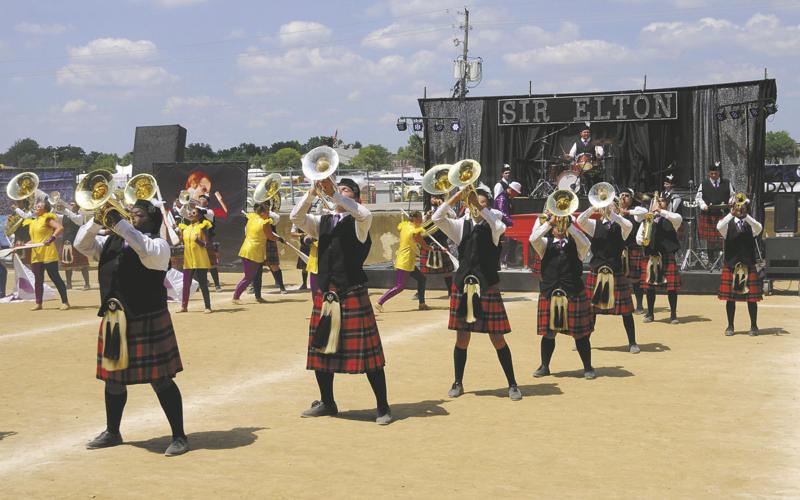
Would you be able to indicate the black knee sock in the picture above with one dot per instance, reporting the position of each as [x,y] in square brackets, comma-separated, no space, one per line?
[504,355]
[730,309]
[459,362]
[637,292]
[651,300]
[752,308]
[172,404]
[448,282]
[630,328]
[585,351]
[547,348]
[325,383]
[305,278]
[215,276]
[278,275]
[377,380]
[673,303]
[68,275]
[115,404]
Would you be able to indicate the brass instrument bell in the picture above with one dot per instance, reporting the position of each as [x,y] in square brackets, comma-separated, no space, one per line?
[562,203]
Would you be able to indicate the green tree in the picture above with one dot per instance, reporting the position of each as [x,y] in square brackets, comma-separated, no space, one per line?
[26,150]
[412,152]
[314,142]
[199,151]
[70,152]
[371,157]
[284,159]
[105,162]
[779,145]
[277,146]
[127,159]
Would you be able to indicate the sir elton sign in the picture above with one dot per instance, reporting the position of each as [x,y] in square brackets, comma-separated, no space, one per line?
[588,108]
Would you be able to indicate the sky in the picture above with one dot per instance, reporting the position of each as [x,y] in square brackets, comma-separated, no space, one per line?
[87,72]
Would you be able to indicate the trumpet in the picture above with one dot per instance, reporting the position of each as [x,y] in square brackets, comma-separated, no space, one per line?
[268,190]
[319,164]
[465,173]
[562,203]
[602,197]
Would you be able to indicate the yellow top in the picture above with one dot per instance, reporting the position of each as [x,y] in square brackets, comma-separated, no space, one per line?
[254,246]
[195,256]
[311,265]
[406,258]
[40,230]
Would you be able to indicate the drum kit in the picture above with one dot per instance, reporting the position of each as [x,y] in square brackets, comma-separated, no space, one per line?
[565,172]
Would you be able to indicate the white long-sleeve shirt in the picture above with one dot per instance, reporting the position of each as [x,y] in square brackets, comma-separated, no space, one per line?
[540,241]
[153,252]
[699,196]
[598,150]
[674,218]
[454,228]
[310,223]
[724,223]
[589,225]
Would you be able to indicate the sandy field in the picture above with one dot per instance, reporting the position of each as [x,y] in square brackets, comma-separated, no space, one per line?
[696,414]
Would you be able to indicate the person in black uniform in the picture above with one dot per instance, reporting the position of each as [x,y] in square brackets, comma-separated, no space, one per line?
[740,281]
[712,198]
[71,259]
[584,146]
[632,255]
[137,343]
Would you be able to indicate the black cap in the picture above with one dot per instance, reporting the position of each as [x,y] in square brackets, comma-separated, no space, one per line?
[714,168]
[353,185]
[669,178]
[506,168]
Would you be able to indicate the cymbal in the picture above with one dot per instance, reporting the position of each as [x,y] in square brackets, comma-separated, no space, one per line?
[601,142]
[543,161]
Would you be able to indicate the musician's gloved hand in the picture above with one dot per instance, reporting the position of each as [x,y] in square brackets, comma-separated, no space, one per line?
[280,238]
[112,218]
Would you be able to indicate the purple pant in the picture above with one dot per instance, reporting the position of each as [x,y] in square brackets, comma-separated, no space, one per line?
[251,268]
[38,269]
[201,275]
[401,277]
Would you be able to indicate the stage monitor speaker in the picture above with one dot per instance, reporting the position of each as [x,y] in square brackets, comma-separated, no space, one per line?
[785,215]
[782,256]
[157,144]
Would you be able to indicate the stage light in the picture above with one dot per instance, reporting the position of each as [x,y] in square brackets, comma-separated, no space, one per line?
[735,114]
[754,112]
[455,126]
[402,125]
[721,116]
[417,126]
[771,108]
[438,126]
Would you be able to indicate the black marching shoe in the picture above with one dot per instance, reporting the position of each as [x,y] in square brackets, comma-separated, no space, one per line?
[320,409]
[590,374]
[674,320]
[639,310]
[105,440]
[634,349]
[729,331]
[753,331]
[384,418]
[514,393]
[542,371]
[456,390]
[178,446]
[648,318]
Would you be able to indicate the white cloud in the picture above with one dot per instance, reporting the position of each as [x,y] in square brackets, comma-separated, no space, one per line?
[570,53]
[177,104]
[303,33]
[114,62]
[77,106]
[41,29]
[171,4]
[261,120]
[354,96]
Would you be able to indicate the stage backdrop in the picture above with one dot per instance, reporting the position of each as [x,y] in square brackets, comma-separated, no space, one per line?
[50,179]
[226,185]
[646,132]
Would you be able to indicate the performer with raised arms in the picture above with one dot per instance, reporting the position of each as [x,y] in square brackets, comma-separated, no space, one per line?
[712,198]
[633,255]
[45,228]
[405,262]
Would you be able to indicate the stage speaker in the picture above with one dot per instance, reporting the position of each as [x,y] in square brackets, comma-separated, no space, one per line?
[157,144]
[785,215]
[782,256]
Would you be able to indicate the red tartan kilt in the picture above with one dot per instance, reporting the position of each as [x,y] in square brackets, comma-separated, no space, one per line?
[754,283]
[152,351]
[707,229]
[273,257]
[671,272]
[492,320]
[623,304]
[635,259]
[360,348]
[536,267]
[447,264]
[579,314]
[78,260]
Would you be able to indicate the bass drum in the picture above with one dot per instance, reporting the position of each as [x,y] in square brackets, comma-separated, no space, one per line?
[569,180]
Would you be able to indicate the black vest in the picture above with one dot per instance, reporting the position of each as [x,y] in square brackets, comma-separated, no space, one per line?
[70,229]
[607,246]
[631,240]
[340,255]
[740,246]
[478,255]
[561,268]
[716,196]
[123,276]
[664,240]
[581,149]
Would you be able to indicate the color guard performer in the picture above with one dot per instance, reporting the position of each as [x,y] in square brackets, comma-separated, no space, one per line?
[712,198]
[660,267]
[740,281]
[633,255]
[273,260]
[213,246]
[607,285]
[71,259]
[254,249]
[45,228]
[563,306]
[476,278]
[432,260]
[194,233]
[343,336]
[137,343]
[405,262]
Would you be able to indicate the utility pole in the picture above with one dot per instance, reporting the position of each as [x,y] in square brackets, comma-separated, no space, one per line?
[465,73]
[55,159]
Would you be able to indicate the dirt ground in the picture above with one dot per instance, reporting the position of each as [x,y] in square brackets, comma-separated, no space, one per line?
[696,414]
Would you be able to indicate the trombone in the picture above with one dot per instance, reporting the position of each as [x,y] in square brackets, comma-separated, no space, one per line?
[319,164]
[561,204]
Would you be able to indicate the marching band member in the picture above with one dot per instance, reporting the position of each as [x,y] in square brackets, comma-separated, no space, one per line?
[213,246]
[405,261]
[476,278]
[254,249]
[676,202]
[72,219]
[141,347]
[273,259]
[563,306]
[195,256]
[45,228]
[633,255]
[305,242]
[660,267]
[584,146]
[343,335]
[740,281]
[431,258]
[607,286]
[502,202]
[712,198]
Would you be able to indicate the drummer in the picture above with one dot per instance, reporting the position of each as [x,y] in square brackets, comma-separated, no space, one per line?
[584,146]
